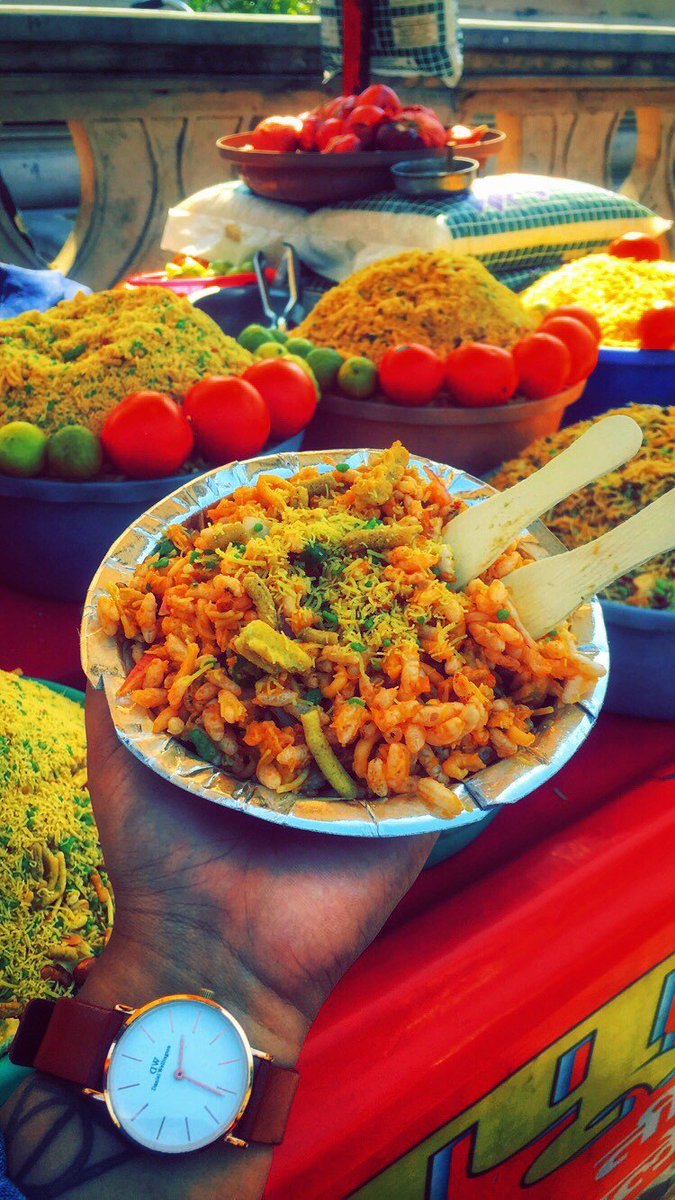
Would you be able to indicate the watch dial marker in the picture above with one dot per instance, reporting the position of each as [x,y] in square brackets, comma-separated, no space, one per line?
[171,1020]
[214,1119]
[148,1035]
[224,1089]
[216,1038]
[161,1126]
[227,1062]
[132,1057]
[139,1112]
[187,1129]
[194,1027]
[124,1086]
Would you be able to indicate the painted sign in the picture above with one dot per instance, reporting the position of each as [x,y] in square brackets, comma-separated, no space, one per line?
[590,1118]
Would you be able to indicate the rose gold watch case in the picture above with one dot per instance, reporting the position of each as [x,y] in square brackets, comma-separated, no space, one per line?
[134,1015]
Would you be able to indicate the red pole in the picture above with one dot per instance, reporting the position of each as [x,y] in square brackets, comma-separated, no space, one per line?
[356,30]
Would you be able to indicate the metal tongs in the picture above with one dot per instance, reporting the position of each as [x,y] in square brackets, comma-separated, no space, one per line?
[288,273]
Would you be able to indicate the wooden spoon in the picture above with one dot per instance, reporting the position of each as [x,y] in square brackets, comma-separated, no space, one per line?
[479,534]
[546,592]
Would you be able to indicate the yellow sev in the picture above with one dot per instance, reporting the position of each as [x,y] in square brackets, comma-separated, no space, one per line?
[55,906]
[436,297]
[612,498]
[616,290]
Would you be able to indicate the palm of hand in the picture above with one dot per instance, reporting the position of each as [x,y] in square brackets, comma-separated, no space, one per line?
[292,910]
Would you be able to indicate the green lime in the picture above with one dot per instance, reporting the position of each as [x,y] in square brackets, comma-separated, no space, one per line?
[357,377]
[279,335]
[302,362]
[325,364]
[22,449]
[74,452]
[300,346]
[220,266]
[243,268]
[270,350]
[253,336]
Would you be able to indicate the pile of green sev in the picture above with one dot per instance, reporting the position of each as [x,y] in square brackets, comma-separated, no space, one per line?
[55,903]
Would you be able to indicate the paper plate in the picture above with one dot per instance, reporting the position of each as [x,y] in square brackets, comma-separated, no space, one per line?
[505,782]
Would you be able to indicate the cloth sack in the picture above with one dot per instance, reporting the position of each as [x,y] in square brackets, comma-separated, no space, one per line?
[518,225]
[406,40]
[23,290]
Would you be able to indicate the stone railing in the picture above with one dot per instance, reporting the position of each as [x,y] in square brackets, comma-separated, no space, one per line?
[146,94]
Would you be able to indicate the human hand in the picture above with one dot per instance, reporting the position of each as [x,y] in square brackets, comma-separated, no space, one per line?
[268,917]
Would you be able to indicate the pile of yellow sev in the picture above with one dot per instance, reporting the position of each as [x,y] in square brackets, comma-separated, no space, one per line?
[613,498]
[55,902]
[74,363]
[437,298]
[616,290]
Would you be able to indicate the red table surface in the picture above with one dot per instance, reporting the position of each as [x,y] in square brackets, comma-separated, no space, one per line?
[490,954]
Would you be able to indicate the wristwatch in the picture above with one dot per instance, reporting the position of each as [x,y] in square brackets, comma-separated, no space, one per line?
[176,1075]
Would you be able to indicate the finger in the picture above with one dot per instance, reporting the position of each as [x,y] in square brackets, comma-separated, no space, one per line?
[100,729]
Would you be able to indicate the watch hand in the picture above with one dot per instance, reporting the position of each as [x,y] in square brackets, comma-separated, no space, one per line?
[179,1072]
[207,1086]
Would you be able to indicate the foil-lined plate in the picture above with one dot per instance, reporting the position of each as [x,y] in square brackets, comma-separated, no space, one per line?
[106,664]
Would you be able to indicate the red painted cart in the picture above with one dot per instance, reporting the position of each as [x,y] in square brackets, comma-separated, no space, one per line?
[511,1032]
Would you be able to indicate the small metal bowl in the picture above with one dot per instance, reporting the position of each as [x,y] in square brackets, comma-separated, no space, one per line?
[428,178]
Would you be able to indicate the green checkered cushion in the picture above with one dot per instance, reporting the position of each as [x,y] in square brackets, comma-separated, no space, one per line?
[407,39]
[513,223]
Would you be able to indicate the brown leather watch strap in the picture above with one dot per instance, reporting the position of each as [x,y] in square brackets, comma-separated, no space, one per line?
[268,1109]
[66,1038]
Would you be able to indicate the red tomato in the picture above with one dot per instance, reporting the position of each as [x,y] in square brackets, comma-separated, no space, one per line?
[656,327]
[580,342]
[479,375]
[543,364]
[411,375]
[288,392]
[229,417]
[147,436]
[310,128]
[580,314]
[382,96]
[341,106]
[329,129]
[636,245]
[344,144]
[363,121]
[277,133]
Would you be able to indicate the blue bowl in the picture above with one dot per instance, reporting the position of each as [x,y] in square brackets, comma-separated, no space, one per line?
[626,377]
[53,535]
[642,661]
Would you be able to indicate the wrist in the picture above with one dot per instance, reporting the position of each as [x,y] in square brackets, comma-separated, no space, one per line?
[134,974]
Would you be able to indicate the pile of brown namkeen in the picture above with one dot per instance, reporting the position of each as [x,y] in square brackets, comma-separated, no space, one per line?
[306,632]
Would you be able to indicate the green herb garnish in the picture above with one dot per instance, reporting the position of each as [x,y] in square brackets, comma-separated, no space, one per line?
[356,700]
[205,747]
[503,614]
[358,647]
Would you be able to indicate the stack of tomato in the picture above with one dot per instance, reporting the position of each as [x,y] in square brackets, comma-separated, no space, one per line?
[562,352]
[373,120]
[148,435]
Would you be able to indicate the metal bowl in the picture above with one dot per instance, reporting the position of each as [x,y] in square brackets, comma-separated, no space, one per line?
[558,736]
[454,179]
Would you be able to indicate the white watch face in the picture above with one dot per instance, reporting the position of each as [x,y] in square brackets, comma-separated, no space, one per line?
[179,1075]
